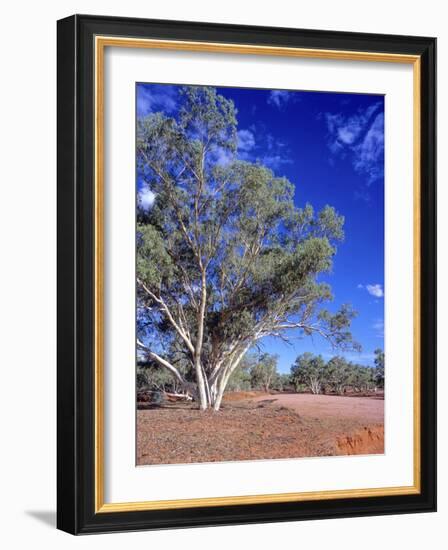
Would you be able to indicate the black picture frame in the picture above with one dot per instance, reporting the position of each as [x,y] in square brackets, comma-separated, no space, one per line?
[76,264]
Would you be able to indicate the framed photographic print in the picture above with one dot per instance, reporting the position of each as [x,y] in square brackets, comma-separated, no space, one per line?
[246,264]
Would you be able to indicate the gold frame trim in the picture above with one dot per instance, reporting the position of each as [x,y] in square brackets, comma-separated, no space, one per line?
[101,42]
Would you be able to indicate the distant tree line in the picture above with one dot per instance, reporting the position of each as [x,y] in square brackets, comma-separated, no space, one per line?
[259,373]
[309,373]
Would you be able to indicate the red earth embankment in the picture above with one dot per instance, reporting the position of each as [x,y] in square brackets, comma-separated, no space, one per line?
[363,442]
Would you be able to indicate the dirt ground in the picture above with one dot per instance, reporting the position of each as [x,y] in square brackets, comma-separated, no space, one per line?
[261,426]
[366,409]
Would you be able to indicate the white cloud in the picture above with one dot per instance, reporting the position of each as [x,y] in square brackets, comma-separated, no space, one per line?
[279,98]
[268,150]
[246,140]
[360,138]
[360,286]
[146,198]
[156,98]
[375,290]
[347,134]
[378,327]
[275,161]
[221,156]
[370,152]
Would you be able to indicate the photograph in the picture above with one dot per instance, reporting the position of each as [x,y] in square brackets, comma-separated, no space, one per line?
[260,287]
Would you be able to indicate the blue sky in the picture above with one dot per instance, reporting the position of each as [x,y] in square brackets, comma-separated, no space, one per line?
[331,147]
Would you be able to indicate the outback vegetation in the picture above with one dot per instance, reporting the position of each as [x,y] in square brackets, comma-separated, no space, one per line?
[225,259]
[266,414]
[309,373]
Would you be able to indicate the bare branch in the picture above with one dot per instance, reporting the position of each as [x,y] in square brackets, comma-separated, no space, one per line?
[168,314]
[161,361]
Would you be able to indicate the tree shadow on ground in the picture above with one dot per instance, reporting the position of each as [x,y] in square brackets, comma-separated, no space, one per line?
[142,406]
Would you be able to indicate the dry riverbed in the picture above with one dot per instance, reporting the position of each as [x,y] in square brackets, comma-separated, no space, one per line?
[261,426]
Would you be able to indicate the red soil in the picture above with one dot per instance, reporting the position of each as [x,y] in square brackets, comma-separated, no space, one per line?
[367,409]
[363,442]
[261,426]
[243,395]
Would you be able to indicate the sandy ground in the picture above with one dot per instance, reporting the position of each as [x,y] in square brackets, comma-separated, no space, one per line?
[367,409]
[261,426]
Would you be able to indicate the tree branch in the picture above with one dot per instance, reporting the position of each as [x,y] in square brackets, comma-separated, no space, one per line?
[170,317]
[162,362]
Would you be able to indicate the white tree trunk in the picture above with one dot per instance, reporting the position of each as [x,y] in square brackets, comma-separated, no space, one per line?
[223,378]
[220,392]
[315,386]
[202,392]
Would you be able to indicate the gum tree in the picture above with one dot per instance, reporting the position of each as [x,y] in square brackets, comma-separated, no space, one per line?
[379,367]
[339,374]
[264,372]
[310,371]
[224,257]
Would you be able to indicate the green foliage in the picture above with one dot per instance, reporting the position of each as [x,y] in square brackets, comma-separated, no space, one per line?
[154,264]
[208,117]
[240,380]
[283,382]
[338,374]
[362,378]
[264,373]
[310,372]
[150,377]
[379,367]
